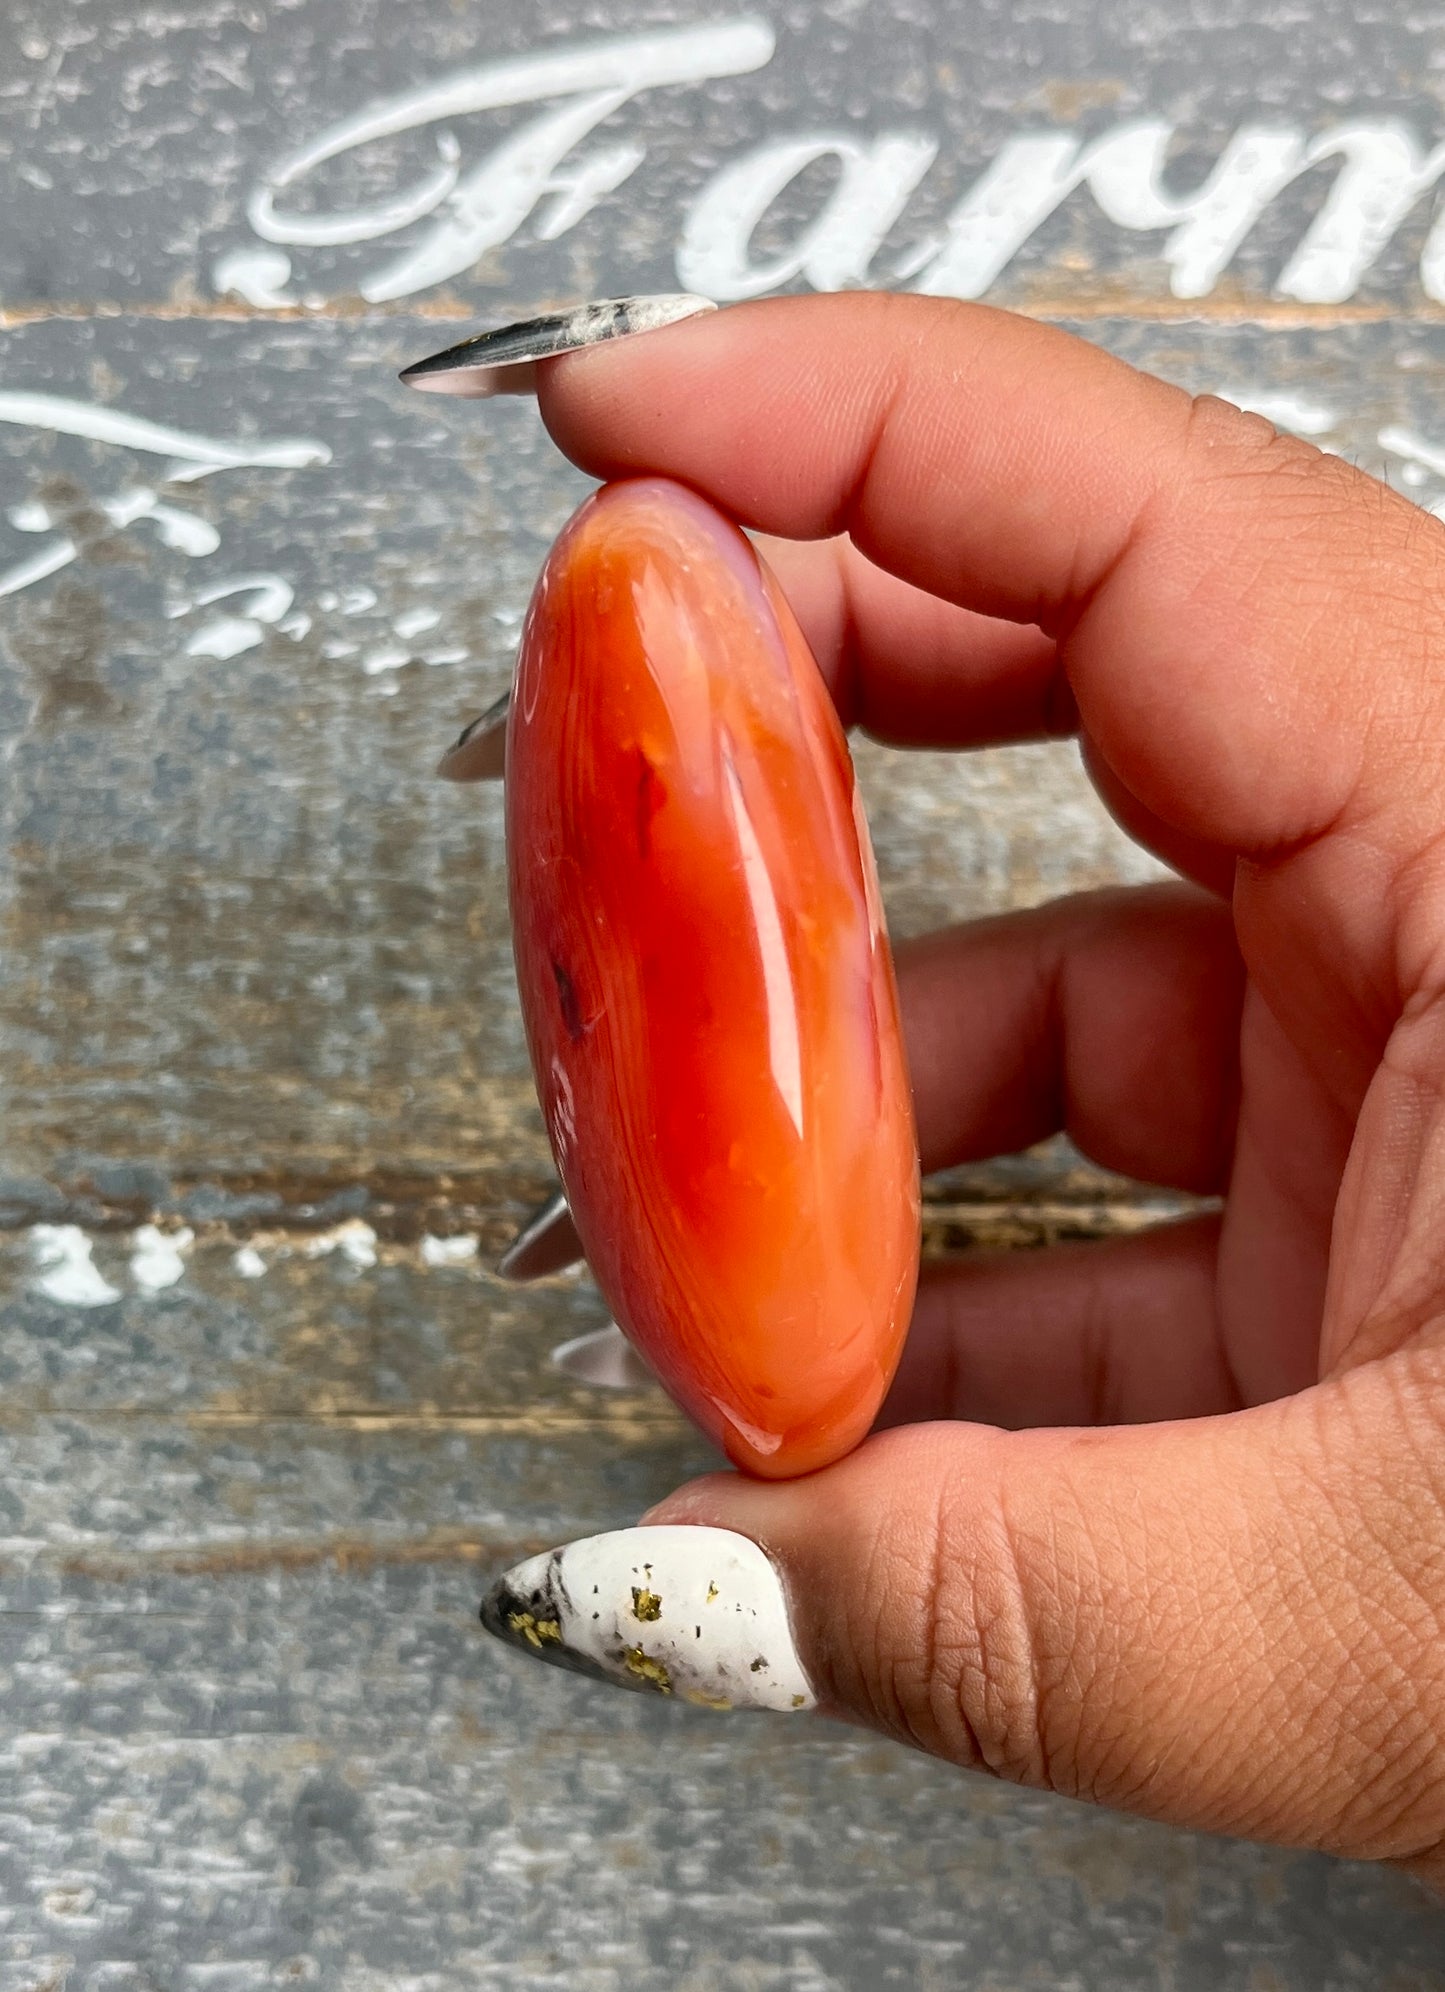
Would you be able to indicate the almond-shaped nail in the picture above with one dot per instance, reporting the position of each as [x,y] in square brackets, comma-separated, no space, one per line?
[695,1613]
[547,1243]
[479,752]
[605,1359]
[505,361]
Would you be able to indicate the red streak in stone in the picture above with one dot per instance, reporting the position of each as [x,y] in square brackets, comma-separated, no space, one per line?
[705,980]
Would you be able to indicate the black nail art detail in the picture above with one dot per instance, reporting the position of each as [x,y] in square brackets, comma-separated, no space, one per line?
[479,751]
[504,360]
[530,1617]
[547,1243]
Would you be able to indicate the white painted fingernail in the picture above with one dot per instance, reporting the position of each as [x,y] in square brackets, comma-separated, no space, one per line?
[696,1613]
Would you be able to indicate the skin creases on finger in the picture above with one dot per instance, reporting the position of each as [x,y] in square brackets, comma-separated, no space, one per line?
[1230,1623]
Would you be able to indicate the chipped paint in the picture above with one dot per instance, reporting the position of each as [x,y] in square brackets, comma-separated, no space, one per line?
[268,597]
[65,1271]
[415,622]
[457,1250]
[158,1258]
[354,1239]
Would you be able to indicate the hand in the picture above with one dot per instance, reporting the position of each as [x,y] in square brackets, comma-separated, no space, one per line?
[1201,1573]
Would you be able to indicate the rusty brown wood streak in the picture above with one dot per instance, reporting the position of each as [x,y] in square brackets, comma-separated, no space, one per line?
[1080,305]
[1019,1225]
[347,1554]
[619,1424]
[404,1203]
[546,1422]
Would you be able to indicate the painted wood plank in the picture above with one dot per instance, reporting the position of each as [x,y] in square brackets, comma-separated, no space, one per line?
[255,981]
[249,938]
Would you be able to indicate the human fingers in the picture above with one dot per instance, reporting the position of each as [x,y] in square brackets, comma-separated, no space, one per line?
[1111,1016]
[1208,864]
[1233,1623]
[1122,1018]
[916,671]
[1021,473]
[1113,1331]
[910,668]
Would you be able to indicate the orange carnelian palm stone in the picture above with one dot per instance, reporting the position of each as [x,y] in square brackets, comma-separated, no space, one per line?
[706,982]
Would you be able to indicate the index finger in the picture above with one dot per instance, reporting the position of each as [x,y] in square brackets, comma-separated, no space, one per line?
[1219,593]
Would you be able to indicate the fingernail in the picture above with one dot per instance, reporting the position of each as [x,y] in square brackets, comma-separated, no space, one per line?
[547,1243]
[505,361]
[478,754]
[695,1613]
[605,1359]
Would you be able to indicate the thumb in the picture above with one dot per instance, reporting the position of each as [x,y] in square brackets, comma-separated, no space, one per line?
[1232,1623]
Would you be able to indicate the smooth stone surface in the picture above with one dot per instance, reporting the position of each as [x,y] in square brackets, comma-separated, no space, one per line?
[706,981]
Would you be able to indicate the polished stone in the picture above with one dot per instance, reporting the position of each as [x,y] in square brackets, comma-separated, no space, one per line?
[706,981]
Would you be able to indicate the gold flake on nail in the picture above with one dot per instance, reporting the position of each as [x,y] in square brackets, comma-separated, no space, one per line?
[653,1672]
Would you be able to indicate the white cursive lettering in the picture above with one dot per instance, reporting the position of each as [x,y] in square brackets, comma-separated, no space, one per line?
[1382,172]
[836,249]
[484,207]
[192,457]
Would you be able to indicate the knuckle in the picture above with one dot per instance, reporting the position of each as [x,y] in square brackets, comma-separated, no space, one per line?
[1226,447]
[1378,1600]
[949,1645]
[1288,1682]
[1337,577]
[1292,492]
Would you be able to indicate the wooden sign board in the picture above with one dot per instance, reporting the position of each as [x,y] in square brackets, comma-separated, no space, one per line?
[268,1418]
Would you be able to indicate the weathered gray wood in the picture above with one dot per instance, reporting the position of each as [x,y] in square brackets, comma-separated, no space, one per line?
[255,984]
[250,937]
[324,1777]
[250,1721]
[132,158]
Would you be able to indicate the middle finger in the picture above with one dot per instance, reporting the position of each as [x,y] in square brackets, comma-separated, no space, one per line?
[914,670]
[1112,1017]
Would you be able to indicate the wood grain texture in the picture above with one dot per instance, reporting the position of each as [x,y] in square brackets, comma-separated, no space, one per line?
[256,988]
